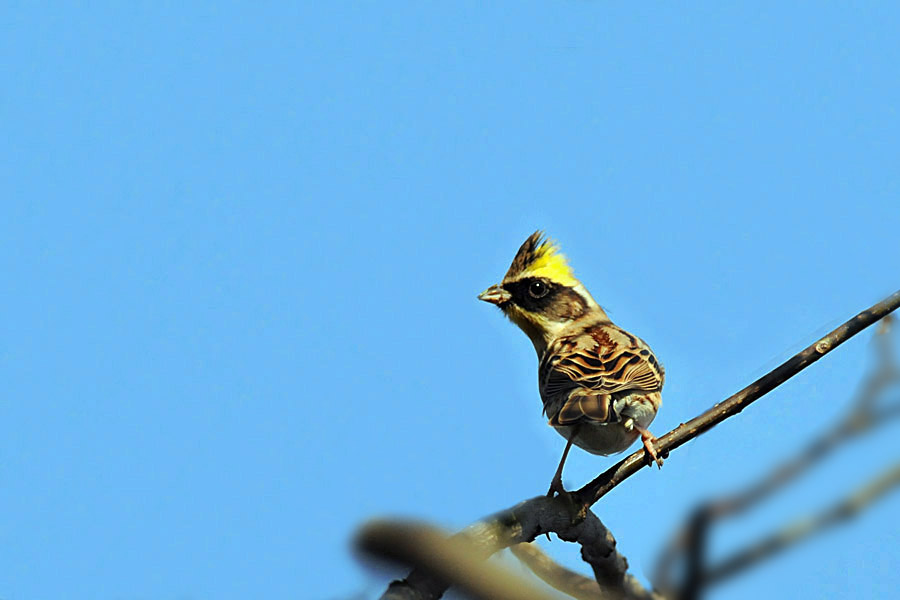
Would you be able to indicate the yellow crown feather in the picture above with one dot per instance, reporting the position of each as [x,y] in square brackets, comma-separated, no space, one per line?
[549,262]
[541,257]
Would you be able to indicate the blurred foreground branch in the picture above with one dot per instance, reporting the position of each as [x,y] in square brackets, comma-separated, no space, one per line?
[568,581]
[519,524]
[555,575]
[447,560]
[797,532]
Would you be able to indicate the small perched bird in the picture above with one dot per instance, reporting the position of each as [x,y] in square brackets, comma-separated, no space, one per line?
[600,385]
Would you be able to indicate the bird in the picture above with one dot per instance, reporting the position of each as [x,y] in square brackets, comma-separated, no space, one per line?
[600,385]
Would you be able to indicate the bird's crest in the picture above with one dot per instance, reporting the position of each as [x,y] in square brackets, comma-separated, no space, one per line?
[541,257]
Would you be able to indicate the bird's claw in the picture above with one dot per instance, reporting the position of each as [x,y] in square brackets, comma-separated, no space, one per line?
[649,440]
[556,487]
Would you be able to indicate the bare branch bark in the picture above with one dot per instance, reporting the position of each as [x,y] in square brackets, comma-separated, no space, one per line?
[607,481]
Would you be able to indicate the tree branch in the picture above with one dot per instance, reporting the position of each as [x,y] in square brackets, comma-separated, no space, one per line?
[560,515]
[801,530]
[519,524]
[862,416]
[555,575]
[451,559]
[607,481]
[570,582]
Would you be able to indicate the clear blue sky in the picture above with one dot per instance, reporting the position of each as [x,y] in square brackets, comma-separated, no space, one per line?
[242,243]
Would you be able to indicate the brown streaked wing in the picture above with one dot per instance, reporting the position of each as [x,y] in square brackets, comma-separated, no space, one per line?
[614,364]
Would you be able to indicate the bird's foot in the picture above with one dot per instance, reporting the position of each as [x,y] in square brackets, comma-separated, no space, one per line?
[556,486]
[574,506]
[649,440]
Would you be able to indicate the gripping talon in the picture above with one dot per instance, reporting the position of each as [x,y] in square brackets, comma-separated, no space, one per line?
[649,440]
[556,486]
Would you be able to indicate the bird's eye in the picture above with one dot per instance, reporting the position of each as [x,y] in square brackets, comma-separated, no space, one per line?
[538,289]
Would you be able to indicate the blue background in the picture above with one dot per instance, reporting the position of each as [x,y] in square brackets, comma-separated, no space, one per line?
[242,243]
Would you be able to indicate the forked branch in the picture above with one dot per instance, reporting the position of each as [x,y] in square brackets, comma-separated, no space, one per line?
[540,515]
[440,561]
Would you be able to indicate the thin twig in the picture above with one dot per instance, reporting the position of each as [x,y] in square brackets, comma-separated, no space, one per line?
[862,416]
[607,481]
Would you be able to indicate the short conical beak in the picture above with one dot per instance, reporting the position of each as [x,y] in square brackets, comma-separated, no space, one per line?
[495,295]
